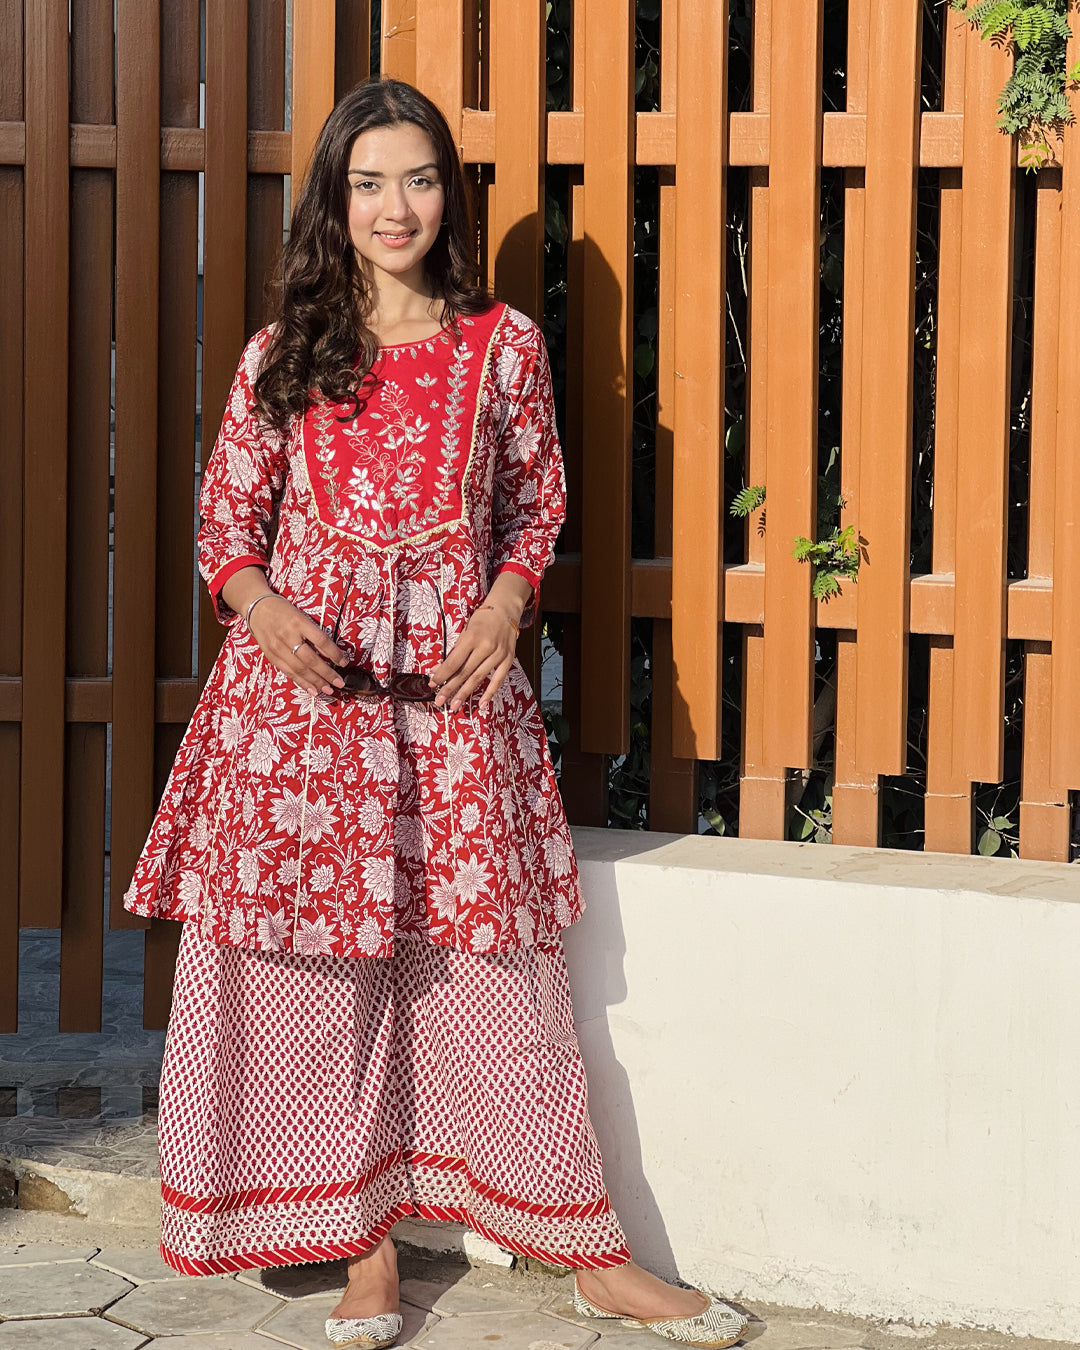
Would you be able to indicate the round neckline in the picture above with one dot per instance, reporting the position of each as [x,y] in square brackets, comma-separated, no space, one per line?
[420,342]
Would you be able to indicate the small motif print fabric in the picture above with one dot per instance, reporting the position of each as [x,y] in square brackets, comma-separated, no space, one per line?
[298,822]
[309,1102]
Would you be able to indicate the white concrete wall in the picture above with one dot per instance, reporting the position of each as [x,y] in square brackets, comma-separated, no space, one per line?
[838,1077]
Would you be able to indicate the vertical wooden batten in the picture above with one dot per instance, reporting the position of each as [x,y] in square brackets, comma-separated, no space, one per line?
[314,37]
[888,321]
[673,778]
[762,784]
[856,794]
[12,392]
[89,399]
[795,121]
[45,341]
[982,453]
[607,418]
[138,155]
[1065,692]
[949,810]
[701,123]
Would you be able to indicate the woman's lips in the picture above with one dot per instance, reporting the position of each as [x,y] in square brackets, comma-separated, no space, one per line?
[395,240]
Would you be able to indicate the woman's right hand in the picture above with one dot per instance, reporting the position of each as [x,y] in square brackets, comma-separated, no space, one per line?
[278,626]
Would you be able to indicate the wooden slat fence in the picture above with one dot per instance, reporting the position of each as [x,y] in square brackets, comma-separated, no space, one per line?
[103,454]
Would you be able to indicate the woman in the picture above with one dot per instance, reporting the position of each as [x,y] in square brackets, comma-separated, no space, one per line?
[362,827]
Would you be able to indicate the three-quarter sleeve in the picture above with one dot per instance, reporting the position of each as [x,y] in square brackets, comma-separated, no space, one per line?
[529,488]
[241,486]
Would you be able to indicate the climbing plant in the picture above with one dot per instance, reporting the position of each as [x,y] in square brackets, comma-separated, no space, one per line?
[1035,99]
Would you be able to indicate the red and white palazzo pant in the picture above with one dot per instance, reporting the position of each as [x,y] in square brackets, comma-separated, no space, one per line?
[309,1102]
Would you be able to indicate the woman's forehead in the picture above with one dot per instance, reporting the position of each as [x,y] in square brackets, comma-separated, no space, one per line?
[392,150]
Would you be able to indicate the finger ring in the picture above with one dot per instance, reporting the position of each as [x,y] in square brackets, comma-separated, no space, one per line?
[297,647]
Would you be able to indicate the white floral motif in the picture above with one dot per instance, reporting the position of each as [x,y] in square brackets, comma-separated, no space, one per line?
[316,937]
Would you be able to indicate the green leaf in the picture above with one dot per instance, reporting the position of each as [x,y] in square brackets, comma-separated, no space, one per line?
[715,819]
[747,500]
[644,359]
[989,843]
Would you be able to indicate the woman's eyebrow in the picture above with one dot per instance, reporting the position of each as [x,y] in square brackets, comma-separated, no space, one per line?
[373,173]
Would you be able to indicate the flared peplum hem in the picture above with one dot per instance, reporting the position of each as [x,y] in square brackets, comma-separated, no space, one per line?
[309,1102]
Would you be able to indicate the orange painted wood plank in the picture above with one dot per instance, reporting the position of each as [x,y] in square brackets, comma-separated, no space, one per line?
[45,338]
[516,231]
[762,785]
[791,395]
[949,820]
[314,37]
[265,192]
[440,57]
[225,224]
[673,788]
[884,514]
[12,260]
[398,39]
[352,44]
[89,416]
[1065,699]
[608,343]
[1044,805]
[983,420]
[138,31]
[700,331]
[856,799]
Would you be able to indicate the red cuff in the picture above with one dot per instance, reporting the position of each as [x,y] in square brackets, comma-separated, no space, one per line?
[533,578]
[234,565]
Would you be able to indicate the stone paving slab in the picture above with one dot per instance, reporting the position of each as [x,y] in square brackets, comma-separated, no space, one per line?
[72,1333]
[65,1288]
[301,1281]
[204,1306]
[34,1253]
[467,1296]
[137,1264]
[507,1331]
[301,1324]
[781,1333]
[249,1341]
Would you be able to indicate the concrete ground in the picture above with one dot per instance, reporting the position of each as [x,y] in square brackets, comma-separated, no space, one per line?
[72,1284]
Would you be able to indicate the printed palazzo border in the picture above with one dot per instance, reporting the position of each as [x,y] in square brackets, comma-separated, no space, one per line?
[299,1254]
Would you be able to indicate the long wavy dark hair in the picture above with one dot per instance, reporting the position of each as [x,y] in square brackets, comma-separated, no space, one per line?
[320,332]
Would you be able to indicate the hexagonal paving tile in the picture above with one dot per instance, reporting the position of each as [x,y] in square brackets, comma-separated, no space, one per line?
[62,1288]
[509,1331]
[301,1323]
[299,1281]
[244,1340]
[34,1253]
[69,1333]
[467,1295]
[137,1264]
[211,1305]
[781,1333]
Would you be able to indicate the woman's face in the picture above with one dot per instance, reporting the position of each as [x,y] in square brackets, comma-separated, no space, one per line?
[396,197]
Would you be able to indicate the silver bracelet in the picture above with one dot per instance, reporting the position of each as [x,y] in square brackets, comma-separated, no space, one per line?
[247,616]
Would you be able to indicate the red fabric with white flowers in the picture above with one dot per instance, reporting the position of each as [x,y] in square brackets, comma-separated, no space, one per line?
[297,822]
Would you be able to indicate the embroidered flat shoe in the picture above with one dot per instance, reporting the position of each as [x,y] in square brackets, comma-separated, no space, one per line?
[366,1333]
[715,1327]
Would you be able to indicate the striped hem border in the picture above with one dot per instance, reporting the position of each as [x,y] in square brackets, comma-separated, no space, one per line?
[332,1190]
[286,1256]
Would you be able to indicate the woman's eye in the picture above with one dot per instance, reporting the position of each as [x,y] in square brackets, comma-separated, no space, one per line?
[426,181]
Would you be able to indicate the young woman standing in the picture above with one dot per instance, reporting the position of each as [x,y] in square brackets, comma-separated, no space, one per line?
[362,829]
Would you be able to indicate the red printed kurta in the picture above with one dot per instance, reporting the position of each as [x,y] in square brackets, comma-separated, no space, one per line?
[299,822]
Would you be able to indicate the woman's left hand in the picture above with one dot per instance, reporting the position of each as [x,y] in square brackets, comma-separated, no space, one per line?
[484,651]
